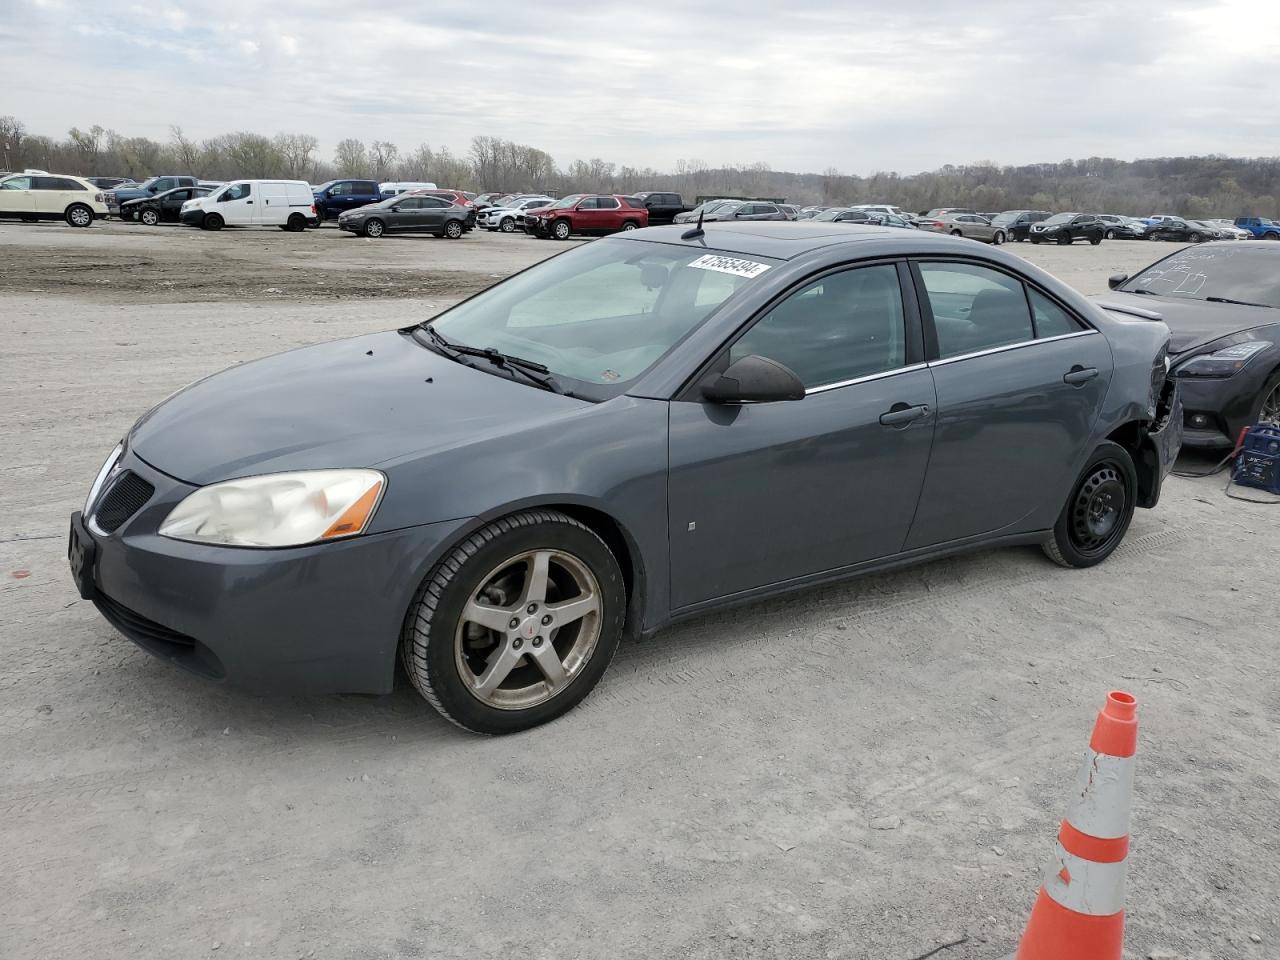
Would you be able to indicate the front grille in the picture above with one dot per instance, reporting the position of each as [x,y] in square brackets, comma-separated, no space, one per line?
[138,628]
[122,500]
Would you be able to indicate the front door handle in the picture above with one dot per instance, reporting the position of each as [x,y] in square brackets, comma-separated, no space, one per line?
[900,414]
[1079,375]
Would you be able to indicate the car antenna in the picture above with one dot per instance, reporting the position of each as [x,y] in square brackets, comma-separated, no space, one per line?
[697,231]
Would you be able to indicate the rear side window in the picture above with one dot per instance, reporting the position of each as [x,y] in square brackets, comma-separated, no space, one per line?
[844,326]
[365,186]
[975,308]
[432,203]
[1050,319]
[607,203]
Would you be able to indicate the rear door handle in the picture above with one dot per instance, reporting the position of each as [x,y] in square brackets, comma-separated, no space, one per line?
[1078,375]
[900,414]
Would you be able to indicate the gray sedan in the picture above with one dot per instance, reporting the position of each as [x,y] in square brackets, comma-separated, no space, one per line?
[636,431]
[971,225]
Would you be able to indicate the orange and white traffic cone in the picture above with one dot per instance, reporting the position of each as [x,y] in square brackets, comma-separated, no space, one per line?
[1079,914]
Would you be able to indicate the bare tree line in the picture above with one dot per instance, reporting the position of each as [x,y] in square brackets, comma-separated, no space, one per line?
[1189,186]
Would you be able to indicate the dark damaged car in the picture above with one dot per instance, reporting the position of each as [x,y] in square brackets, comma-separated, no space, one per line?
[1221,301]
[637,431]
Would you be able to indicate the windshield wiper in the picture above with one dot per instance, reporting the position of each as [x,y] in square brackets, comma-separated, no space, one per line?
[533,372]
[1143,291]
[1239,303]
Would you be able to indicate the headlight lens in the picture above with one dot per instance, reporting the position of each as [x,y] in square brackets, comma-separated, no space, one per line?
[278,510]
[101,478]
[1224,362]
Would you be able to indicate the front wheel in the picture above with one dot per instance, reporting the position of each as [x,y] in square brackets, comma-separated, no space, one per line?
[517,624]
[508,225]
[373,228]
[1110,234]
[561,230]
[212,221]
[78,215]
[1096,239]
[149,217]
[997,238]
[1098,512]
[1064,239]
[453,229]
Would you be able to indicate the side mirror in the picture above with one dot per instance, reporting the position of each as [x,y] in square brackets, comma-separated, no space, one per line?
[753,379]
[1116,279]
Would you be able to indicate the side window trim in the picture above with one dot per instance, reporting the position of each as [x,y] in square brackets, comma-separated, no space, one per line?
[911,311]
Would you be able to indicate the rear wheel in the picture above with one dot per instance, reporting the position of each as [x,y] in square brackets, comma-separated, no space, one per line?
[1098,512]
[297,223]
[79,215]
[517,624]
[957,233]
[149,216]
[630,225]
[453,229]
[373,228]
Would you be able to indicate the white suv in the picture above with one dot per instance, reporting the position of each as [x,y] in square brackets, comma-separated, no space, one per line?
[28,196]
[506,218]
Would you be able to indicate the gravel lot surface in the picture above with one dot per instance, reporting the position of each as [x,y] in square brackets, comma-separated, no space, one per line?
[865,770]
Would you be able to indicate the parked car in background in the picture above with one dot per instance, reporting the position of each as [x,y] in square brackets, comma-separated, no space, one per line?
[1066,228]
[1229,230]
[527,215]
[394,187]
[483,200]
[1116,227]
[703,209]
[47,196]
[790,211]
[1181,231]
[663,206]
[891,220]
[1260,227]
[334,197]
[409,213]
[808,213]
[506,217]
[883,208]
[594,214]
[842,215]
[970,225]
[1016,224]
[1222,303]
[110,183]
[937,212]
[304,522]
[744,210]
[162,206]
[287,204]
[148,188]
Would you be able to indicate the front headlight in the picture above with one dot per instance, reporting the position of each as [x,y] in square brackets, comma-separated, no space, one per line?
[101,478]
[278,510]
[1222,363]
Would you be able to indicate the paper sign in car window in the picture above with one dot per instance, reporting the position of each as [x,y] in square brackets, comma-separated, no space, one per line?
[732,265]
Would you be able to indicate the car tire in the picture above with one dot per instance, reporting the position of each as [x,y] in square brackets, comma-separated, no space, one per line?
[1099,510]
[149,217]
[1064,239]
[373,227]
[297,223]
[1195,237]
[508,225]
[484,675]
[1096,239]
[1271,236]
[212,221]
[561,229]
[630,225]
[79,215]
[997,238]
[957,233]
[453,230]
[1110,234]
[1035,240]
[1267,407]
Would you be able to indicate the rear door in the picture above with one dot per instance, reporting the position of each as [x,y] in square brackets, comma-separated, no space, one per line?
[766,493]
[431,213]
[608,214]
[1020,383]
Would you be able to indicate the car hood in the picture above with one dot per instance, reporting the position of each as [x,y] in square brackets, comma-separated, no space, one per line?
[348,403]
[1196,323]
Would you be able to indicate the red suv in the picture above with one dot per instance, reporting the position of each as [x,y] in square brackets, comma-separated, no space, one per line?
[596,213]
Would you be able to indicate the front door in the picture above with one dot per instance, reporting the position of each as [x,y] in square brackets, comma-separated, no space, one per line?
[1020,382]
[16,196]
[764,493]
[236,204]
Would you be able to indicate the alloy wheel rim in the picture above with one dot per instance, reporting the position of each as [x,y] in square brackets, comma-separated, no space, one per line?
[375,229]
[1098,509]
[1270,411]
[79,216]
[453,229]
[529,629]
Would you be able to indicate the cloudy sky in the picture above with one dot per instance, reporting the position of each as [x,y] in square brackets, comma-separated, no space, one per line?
[859,85]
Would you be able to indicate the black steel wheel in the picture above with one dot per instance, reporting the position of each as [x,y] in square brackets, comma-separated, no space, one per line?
[212,221]
[1099,510]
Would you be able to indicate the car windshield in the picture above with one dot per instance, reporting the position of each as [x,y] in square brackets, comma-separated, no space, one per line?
[1059,218]
[832,213]
[1229,271]
[602,314]
[1003,218]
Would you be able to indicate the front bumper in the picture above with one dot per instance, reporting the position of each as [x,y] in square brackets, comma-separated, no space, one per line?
[192,217]
[1217,409]
[324,618]
[352,225]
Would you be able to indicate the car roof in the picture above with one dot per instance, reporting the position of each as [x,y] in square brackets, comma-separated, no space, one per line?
[777,239]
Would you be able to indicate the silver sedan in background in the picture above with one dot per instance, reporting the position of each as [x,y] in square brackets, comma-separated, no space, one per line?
[971,225]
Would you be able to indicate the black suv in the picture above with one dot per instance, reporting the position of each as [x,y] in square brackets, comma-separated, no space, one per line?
[1067,228]
[1017,223]
[662,207]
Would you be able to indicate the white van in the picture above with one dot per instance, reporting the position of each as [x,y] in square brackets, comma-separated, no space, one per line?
[287,204]
[396,187]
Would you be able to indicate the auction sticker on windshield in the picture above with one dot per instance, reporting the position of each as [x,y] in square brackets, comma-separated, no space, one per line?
[739,268]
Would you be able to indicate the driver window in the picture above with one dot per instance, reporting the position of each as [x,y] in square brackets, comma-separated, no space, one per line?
[340,189]
[237,191]
[16,183]
[841,327]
